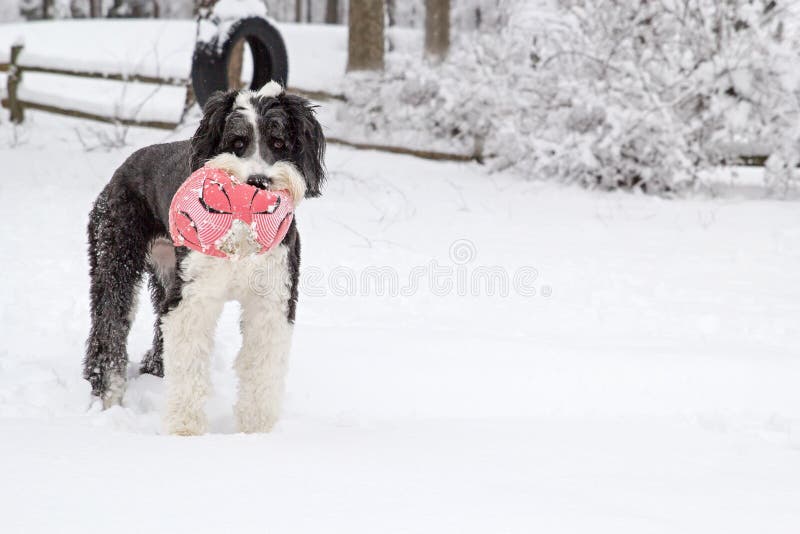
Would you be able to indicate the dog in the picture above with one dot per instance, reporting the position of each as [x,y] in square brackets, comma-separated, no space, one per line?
[268,138]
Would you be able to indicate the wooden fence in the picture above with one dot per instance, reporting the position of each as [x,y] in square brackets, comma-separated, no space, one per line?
[17,105]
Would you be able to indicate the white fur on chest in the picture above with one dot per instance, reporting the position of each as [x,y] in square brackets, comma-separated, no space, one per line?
[262,276]
[262,284]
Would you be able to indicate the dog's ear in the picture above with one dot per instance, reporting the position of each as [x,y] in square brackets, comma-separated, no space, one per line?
[312,143]
[206,139]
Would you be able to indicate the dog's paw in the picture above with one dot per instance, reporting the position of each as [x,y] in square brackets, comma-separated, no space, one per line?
[188,429]
[255,427]
[185,423]
[185,432]
[255,421]
[107,386]
[114,391]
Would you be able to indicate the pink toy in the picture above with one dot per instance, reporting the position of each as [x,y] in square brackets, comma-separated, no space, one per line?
[213,213]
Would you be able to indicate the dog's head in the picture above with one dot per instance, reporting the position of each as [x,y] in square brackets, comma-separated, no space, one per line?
[267,138]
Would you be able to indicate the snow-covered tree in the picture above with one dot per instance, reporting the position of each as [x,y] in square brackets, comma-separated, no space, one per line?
[37,9]
[609,93]
[437,28]
[176,9]
[365,49]
[134,9]
[672,84]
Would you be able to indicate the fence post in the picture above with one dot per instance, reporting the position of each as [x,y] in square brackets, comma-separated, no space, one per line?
[188,102]
[14,78]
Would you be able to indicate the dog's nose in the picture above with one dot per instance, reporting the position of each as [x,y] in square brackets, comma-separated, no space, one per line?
[259,180]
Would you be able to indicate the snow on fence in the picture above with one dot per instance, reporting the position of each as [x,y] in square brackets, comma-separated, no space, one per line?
[128,72]
[139,100]
[138,72]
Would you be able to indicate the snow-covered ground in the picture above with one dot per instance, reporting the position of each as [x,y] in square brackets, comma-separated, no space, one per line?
[317,61]
[317,52]
[651,384]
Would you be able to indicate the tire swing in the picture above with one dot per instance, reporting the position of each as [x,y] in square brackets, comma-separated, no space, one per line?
[212,58]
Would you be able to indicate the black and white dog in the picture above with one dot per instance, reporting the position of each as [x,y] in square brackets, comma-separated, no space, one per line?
[267,138]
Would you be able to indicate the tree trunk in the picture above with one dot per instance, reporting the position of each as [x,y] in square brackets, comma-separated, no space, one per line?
[298,11]
[332,12]
[365,36]
[95,8]
[437,28]
[391,8]
[235,66]
[308,11]
[117,9]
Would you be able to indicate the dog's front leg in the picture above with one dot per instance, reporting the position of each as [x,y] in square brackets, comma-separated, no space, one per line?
[263,359]
[188,331]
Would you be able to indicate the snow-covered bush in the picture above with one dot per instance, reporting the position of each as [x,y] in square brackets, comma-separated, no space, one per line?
[403,13]
[683,79]
[176,9]
[609,93]
[133,9]
[58,9]
[39,9]
[406,13]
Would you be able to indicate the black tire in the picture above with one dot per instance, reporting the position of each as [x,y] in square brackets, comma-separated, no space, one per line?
[210,61]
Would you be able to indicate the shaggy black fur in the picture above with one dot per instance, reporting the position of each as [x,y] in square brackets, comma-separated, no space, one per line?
[133,210]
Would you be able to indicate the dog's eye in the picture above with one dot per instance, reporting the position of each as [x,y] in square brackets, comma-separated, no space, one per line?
[238,145]
[277,143]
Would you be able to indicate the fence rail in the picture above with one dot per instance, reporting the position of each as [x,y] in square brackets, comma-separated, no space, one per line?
[179,82]
[17,106]
[93,116]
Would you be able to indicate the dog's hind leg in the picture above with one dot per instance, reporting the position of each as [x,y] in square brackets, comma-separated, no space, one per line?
[117,248]
[163,278]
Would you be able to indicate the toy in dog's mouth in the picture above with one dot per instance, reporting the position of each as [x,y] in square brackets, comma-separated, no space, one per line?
[215,213]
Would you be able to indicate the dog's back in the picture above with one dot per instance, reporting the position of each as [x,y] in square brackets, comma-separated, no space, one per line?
[154,173]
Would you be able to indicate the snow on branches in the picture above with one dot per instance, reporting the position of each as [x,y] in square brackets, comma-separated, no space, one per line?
[609,93]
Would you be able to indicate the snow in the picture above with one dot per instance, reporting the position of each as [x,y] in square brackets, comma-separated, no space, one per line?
[237,9]
[317,62]
[160,48]
[650,385]
[122,100]
[9,10]
[317,52]
[608,94]
[317,55]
